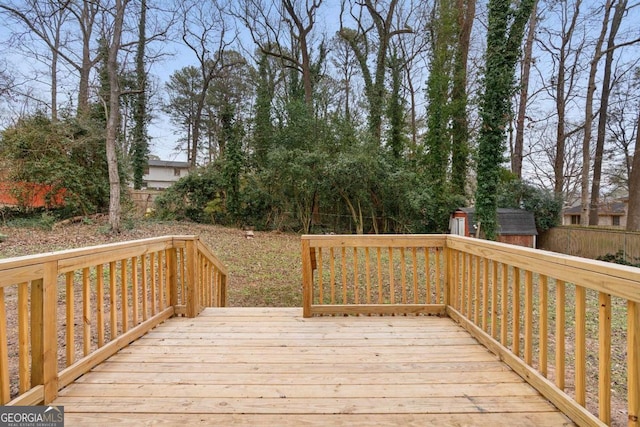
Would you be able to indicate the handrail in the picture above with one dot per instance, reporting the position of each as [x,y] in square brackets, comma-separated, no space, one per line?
[115,292]
[501,293]
[534,309]
[374,274]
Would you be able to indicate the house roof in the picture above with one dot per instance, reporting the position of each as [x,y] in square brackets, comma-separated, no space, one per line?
[510,221]
[616,207]
[168,163]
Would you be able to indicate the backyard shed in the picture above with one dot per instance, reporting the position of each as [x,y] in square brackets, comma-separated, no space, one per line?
[515,226]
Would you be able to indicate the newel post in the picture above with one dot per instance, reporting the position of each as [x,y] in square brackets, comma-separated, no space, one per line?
[172,276]
[193,302]
[307,279]
[44,334]
[448,274]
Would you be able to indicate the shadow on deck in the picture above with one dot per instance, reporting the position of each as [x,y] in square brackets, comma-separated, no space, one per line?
[270,366]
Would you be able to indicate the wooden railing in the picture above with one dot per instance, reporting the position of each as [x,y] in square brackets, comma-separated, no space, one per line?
[567,325]
[96,301]
[373,274]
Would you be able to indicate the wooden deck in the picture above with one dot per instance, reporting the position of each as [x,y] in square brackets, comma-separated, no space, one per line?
[266,366]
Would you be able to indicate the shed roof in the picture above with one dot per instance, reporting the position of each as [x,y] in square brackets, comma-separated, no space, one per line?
[510,221]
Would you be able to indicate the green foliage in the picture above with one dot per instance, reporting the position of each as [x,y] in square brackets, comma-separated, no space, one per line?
[618,258]
[263,127]
[188,198]
[446,140]
[233,160]
[504,35]
[42,220]
[66,155]
[545,205]
[397,139]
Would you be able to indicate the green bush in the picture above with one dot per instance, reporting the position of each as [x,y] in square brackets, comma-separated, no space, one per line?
[617,258]
[188,198]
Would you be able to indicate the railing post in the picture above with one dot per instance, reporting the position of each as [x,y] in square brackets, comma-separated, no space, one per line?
[447,273]
[633,362]
[222,290]
[307,279]
[172,276]
[44,334]
[192,301]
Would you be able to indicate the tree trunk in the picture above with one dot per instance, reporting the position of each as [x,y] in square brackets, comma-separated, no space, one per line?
[621,7]
[139,156]
[518,148]
[561,101]
[54,79]
[633,212]
[374,84]
[86,18]
[466,10]
[113,118]
[588,116]
[504,36]
[301,37]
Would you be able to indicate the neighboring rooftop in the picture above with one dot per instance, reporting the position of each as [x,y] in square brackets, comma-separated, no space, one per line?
[168,163]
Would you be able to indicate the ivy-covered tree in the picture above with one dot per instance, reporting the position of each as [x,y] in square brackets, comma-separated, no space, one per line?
[262,120]
[396,139]
[504,37]
[233,160]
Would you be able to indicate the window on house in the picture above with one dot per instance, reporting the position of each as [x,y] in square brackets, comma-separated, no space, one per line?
[176,172]
[146,171]
[615,220]
[575,219]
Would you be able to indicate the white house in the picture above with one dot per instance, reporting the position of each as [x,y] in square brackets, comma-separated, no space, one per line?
[161,174]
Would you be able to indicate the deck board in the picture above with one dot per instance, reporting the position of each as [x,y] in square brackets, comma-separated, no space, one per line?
[264,366]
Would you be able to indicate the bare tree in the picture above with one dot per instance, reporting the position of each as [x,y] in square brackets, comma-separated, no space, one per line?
[284,32]
[589,115]
[344,62]
[371,38]
[518,146]
[621,131]
[113,40]
[51,22]
[564,52]
[206,33]
[620,11]
[45,21]
[413,48]
[633,214]
[6,81]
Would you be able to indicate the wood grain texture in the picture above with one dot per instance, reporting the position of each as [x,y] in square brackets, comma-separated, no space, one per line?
[271,366]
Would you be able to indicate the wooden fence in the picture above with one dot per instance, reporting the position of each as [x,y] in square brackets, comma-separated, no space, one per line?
[113,293]
[569,326]
[590,242]
[144,200]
